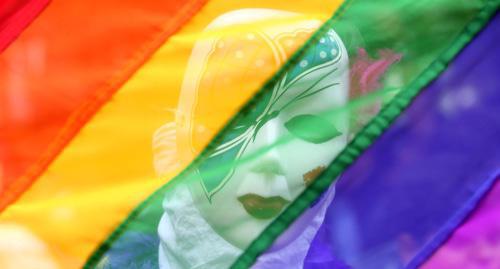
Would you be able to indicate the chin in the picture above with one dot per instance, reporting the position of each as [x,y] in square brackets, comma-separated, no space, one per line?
[242,235]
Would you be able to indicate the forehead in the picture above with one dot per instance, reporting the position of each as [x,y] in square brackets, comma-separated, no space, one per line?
[241,51]
[325,101]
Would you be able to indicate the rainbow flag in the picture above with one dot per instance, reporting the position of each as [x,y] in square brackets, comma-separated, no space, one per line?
[235,134]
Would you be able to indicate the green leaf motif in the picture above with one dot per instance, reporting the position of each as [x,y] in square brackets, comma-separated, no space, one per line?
[312,128]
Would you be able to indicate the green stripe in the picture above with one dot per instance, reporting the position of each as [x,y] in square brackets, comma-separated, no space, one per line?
[365,137]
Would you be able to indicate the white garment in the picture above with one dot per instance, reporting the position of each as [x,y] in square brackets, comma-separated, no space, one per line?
[188,241]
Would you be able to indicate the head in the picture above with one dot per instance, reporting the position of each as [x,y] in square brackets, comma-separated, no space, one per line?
[271,156]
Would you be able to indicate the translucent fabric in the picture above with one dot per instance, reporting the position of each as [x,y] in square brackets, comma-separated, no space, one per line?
[283,138]
[144,151]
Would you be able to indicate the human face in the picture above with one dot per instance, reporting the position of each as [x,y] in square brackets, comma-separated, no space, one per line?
[272,157]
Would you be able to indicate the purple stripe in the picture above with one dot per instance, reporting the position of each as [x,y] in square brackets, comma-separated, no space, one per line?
[476,243]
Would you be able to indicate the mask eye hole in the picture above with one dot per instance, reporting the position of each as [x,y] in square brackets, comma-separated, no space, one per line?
[312,128]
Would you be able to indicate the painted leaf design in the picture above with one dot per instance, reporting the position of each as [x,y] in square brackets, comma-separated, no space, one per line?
[312,128]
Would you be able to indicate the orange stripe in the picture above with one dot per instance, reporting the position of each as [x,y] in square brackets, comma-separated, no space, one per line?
[62,69]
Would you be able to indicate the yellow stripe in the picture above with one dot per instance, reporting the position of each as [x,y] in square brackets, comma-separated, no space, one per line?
[108,168]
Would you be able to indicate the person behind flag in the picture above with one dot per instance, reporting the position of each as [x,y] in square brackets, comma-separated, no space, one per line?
[271,155]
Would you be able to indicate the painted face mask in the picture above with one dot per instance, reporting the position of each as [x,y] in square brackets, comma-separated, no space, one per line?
[277,149]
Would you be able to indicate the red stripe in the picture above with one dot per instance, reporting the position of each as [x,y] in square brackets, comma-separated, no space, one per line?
[15,15]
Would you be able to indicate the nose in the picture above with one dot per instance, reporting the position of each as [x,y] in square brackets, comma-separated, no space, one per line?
[267,175]
[268,166]
[267,179]
[268,160]
[264,149]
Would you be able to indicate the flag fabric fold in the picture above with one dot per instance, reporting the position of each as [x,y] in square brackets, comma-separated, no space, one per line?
[263,134]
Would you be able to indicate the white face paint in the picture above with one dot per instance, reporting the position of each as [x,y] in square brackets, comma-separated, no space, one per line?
[241,202]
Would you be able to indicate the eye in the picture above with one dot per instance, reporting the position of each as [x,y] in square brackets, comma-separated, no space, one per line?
[312,128]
